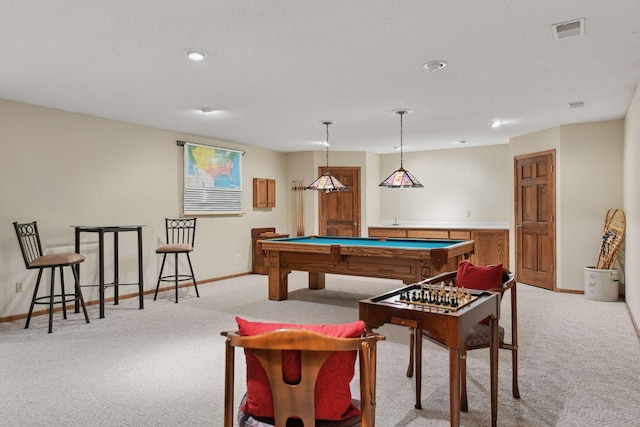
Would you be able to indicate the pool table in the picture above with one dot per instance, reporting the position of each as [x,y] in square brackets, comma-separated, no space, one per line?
[409,260]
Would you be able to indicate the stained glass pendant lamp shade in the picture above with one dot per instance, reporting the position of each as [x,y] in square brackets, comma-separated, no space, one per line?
[401,178]
[327,182]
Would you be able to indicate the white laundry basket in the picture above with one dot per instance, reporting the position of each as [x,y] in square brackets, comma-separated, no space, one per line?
[601,285]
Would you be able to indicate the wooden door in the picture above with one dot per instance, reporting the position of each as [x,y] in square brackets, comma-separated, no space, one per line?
[339,211]
[535,234]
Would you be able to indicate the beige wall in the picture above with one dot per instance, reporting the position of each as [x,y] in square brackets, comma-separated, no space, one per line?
[460,185]
[372,203]
[65,169]
[588,183]
[304,166]
[301,167]
[632,205]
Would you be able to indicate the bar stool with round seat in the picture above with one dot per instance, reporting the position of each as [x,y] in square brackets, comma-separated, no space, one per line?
[31,247]
[181,233]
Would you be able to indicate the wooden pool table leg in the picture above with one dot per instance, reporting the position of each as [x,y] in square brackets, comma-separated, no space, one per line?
[278,278]
[316,280]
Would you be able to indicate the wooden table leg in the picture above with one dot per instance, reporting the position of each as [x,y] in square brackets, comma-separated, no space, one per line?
[412,337]
[494,370]
[454,386]
[418,366]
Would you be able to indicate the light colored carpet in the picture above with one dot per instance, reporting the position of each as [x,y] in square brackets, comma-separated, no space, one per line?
[164,365]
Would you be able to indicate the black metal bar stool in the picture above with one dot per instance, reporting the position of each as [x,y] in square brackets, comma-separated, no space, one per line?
[181,233]
[31,247]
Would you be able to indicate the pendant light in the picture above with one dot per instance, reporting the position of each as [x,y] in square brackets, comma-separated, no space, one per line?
[327,182]
[401,178]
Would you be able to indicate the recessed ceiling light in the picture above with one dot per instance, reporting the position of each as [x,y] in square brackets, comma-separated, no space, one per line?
[434,65]
[462,142]
[196,55]
[206,111]
[495,123]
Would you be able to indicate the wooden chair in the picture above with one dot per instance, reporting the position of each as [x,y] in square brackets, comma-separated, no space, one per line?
[479,335]
[181,234]
[31,248]
[297,400]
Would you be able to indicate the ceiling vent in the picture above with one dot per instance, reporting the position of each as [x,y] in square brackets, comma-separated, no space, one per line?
[565,30]
[577,104]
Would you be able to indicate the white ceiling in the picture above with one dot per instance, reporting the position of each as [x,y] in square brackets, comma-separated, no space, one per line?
[277,69]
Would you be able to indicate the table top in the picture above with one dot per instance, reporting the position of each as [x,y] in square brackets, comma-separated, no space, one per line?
[107,228]
[393,299]
[371,241]
[435,225]
[387,307]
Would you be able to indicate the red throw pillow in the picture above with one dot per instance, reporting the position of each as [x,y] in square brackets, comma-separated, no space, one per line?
[476,277]
[333,395]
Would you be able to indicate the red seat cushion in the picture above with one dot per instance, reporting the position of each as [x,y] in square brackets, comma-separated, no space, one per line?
[477,277]
[333,395]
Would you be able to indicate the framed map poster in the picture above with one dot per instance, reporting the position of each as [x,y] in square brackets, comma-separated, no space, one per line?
[212,180]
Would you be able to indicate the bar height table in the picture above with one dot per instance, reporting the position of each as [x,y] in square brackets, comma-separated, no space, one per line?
[115,229]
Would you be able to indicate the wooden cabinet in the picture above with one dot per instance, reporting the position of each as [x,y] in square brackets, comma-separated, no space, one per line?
[491,246]
[428,234]
[459,235]
[399,233]
[258,260]
[264,193]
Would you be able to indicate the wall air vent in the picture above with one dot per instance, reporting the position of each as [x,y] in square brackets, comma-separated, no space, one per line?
[565,30]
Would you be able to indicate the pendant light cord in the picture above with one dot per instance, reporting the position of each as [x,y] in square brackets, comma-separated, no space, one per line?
[327,124]
[401,114]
